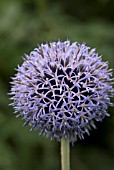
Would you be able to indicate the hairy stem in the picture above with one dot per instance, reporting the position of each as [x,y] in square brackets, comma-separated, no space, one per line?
[65,154]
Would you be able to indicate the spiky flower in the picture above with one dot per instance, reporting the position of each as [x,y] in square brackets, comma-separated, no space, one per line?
[62,89]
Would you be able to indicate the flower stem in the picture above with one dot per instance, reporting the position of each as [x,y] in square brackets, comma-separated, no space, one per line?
[65,154]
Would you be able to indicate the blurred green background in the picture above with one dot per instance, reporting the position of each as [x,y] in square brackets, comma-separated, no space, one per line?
[24,24]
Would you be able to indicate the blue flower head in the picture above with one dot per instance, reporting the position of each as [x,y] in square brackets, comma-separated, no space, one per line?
[62,89]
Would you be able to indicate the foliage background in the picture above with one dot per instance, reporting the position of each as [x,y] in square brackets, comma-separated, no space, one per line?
[24,24]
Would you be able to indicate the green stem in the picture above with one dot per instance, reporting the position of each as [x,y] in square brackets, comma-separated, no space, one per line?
[65,154]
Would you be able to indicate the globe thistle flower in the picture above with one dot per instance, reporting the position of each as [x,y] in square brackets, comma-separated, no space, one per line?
[62,89]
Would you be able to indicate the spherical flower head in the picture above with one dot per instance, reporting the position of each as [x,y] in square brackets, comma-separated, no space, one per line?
[62,89]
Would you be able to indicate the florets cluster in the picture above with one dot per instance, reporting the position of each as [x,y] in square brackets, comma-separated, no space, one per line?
[62,89]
